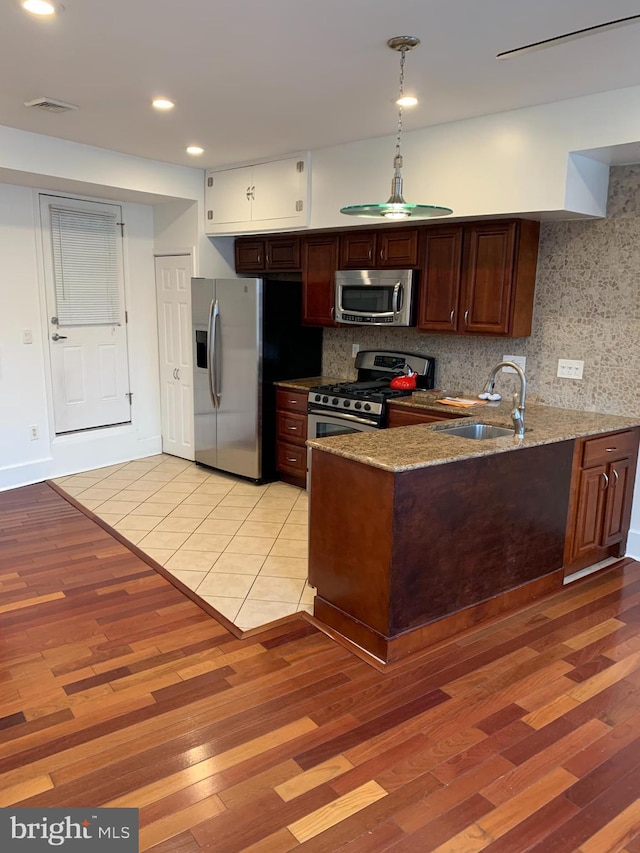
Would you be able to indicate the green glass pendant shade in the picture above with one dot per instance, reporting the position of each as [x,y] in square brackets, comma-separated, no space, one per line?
[396,211]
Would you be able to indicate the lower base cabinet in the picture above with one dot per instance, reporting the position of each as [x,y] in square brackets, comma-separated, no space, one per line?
[602,494]
[291,435]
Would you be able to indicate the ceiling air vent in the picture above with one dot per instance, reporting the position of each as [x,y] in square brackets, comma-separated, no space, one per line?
[50,105]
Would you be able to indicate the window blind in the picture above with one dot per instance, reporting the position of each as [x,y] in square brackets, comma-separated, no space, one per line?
[85,267]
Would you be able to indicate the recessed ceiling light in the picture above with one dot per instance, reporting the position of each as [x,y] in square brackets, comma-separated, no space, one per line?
[407,101]
[195,150]
[41,7]
[163,104]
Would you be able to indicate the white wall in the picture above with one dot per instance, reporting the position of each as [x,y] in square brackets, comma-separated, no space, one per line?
[46,162]
[515,162]
[163,212]
[24,385]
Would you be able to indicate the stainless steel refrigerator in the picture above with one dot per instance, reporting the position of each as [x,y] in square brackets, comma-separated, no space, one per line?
[247,333]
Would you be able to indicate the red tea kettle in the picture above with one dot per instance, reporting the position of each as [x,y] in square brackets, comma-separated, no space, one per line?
[407,382]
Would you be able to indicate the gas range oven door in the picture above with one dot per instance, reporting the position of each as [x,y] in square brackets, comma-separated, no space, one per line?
[325,424]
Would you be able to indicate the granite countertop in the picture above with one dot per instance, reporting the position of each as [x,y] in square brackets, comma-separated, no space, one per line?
[305,384]
[410,447]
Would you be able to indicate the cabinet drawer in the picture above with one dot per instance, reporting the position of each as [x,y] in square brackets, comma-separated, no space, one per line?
[616,445]
[291,427]
[292,401]
[403,416]
[291,457]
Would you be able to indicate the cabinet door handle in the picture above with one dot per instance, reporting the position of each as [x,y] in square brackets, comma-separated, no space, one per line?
[178,373]
[452,315]
[616,477]
[609,449]
[248,193]
[606,480]
[293,428]
[293,402]
[291,459]
[333,312]
[174,373]
[466,317]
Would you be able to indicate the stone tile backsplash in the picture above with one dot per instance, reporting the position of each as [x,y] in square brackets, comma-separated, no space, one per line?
[587,306]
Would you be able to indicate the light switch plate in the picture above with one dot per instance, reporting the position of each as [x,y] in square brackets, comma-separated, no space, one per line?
[569,368]
[520,360]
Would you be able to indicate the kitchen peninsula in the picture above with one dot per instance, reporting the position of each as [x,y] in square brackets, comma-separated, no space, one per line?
[416,534]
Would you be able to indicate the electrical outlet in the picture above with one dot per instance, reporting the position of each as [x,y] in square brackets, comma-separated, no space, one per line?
[34,432]
[570,368]
[520,360]
[355,349]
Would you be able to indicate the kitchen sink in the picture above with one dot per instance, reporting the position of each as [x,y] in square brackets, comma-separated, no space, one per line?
[478,431]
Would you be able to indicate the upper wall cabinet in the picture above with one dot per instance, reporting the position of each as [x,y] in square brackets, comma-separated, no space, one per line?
[478,278]
[391,248]
[264,197]
[269,254]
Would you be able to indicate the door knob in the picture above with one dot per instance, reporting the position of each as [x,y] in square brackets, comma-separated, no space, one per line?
[58,337]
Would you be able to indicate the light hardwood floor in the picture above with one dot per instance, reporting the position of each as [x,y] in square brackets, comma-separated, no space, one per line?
[116,689]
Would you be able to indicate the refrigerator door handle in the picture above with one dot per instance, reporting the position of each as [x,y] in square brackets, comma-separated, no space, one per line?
[211,349]
[217,367]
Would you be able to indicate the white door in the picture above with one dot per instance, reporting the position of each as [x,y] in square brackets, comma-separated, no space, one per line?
[84,282]
[173,280]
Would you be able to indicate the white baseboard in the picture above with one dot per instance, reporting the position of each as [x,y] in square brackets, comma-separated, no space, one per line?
[633,545]
[81,452]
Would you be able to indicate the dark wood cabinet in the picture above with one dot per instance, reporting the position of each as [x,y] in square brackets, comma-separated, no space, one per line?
[319,265]
[602,494]
[475,277]
[269,254]
[392,249]
[479,278]
[398,416]
[291,435]
[250,255]
[441,275]
[454,543]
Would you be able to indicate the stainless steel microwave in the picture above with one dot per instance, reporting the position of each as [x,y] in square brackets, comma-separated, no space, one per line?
[375,297]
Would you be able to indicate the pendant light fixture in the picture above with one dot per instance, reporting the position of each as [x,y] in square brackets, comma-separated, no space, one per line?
[396,207]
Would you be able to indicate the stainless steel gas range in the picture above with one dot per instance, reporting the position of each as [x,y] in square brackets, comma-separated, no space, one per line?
[360,406]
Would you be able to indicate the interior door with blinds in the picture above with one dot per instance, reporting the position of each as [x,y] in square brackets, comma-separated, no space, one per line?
[83,263]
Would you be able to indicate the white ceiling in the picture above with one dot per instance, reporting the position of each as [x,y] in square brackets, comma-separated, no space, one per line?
[254,79]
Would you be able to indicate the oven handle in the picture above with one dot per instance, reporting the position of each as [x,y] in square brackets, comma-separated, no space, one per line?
[343,416]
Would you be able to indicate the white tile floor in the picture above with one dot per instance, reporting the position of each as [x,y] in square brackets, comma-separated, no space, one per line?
[240,547]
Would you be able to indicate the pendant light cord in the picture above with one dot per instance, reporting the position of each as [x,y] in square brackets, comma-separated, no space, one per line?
[397,161]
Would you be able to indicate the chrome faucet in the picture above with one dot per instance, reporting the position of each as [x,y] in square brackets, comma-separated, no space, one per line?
[517,413]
